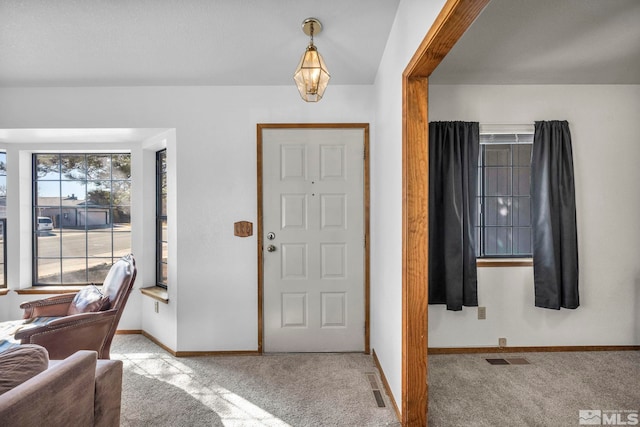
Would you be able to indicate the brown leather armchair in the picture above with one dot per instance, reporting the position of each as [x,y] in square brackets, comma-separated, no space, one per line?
[67,334]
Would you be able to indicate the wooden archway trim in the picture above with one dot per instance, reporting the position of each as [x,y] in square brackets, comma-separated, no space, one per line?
[454,19]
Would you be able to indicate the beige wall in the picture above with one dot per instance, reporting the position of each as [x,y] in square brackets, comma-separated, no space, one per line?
[605,127]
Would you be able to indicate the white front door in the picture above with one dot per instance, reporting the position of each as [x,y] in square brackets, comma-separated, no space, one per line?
[313,226]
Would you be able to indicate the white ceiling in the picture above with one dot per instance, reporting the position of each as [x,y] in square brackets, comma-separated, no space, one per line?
[548,42]
[186,42]
[259,42]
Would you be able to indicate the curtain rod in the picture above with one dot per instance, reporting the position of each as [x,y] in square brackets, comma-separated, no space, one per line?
[500,128]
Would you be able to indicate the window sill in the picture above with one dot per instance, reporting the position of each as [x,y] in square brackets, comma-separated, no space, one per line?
[504,262]
[4,291]
[157,293]
[44,290]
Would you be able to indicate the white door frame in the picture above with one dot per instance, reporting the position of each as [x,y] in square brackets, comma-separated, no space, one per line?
[365,128]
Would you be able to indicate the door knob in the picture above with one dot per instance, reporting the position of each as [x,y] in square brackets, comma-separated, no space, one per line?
[271,248]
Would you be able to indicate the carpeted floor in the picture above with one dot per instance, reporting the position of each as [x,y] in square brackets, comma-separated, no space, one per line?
[243,391]
[318,390]
[466,390]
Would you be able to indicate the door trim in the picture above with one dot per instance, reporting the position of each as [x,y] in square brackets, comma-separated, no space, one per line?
[260,242]
[454,19]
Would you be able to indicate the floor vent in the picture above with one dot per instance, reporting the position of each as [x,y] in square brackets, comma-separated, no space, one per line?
[513,361]
[377,394]
[379,399]
[518,361]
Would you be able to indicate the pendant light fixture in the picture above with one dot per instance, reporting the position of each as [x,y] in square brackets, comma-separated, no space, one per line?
[311,76]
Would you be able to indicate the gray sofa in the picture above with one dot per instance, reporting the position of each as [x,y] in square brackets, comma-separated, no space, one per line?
[77,391]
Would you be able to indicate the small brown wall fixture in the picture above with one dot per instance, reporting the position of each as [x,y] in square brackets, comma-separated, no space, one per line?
[243,229]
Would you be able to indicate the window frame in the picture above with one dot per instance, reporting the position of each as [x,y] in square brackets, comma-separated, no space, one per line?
[86,180]
[3,233]
[161,157]
[522,134]
[3,222]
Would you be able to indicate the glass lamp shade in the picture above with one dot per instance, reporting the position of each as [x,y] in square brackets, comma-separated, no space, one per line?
[311,76]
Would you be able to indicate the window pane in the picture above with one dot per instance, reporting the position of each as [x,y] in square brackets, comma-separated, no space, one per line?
[92,218]
[99,242]
[48,271]
[163,195]
[121,216]
[48,244]
[478,243]
[522,154]
[98,269]
[121,191]
[48,193]
[99,193]
[69,218]
[497,155]
[163,207]
[74,271]
[498,241]
[121,166]
[73,193]
[163,232]
[163,274]
[121,243]
[99,167]
[74,243]
[497,211]
[73,167]
[162,159]
[45,218]
[497,181]
[521,181]
[522,211]
[522,241]
[47,166]
[165,252]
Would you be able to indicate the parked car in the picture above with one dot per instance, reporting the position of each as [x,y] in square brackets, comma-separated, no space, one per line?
[44,223]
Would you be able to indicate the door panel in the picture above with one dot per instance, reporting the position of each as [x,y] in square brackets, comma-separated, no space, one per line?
[294,310]
[294,211]
[314,267]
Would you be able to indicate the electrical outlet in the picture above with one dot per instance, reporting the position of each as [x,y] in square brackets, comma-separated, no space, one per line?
[502,342]
[156,306]
[482,313]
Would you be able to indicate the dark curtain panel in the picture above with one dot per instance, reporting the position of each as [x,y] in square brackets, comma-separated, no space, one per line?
[553,205]
[453,188]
